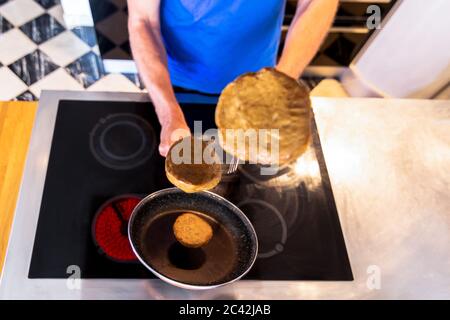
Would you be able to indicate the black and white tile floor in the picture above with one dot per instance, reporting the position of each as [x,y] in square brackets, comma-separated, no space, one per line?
[38,52]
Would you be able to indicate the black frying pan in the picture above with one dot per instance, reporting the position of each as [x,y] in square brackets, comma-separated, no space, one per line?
[227,257]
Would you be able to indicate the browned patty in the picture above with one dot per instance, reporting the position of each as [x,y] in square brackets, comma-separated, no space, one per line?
[267,99]
[192,177]
[191,230]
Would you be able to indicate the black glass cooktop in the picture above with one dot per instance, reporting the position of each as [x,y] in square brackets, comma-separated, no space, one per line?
[109,150]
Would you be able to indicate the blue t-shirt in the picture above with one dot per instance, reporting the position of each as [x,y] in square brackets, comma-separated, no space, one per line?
[211,42]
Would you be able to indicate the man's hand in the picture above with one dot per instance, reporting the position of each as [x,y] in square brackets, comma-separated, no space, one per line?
[172,131]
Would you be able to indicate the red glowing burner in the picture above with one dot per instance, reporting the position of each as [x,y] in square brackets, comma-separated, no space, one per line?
[110,228]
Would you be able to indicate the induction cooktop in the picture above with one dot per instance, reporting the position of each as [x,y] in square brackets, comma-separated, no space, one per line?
[104,158]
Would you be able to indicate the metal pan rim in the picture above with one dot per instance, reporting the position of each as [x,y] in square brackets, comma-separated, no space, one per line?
[179,283]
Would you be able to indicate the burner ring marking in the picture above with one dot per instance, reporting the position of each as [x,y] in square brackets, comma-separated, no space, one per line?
[116,156]
[279,247]
[142,152]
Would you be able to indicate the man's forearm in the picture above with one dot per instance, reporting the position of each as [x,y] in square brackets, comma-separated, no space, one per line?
[150,57]
[312,21]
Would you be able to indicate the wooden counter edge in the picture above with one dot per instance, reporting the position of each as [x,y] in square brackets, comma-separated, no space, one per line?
[16,123]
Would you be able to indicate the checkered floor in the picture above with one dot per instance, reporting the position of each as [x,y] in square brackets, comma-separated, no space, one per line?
[110,17]
[38,52]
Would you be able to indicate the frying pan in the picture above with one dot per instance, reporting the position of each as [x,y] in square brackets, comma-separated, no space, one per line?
[227,257]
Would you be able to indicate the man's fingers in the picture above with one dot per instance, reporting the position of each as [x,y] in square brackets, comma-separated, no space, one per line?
[163,149]
[175,135]
[179,134]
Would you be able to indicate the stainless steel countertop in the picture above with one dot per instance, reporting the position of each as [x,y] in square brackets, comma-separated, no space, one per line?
[388,162]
